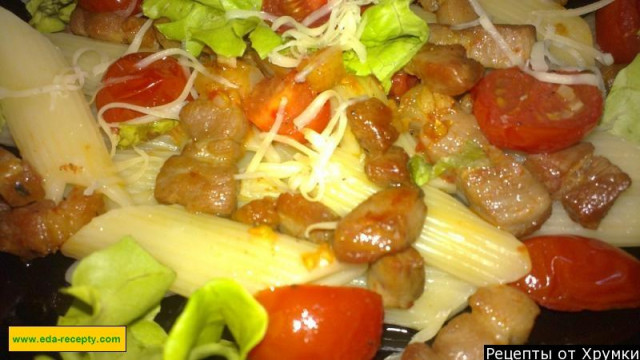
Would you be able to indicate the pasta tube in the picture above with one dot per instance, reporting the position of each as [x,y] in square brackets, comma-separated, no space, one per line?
[200,247]
[453,239]
[48,116]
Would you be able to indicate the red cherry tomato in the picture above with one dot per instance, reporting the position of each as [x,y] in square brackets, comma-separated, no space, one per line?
[126,7]
[297,9]
[263,103]
[617,26]
[573,273]
[156,84]
[320,322]
[401,82]
[516,111]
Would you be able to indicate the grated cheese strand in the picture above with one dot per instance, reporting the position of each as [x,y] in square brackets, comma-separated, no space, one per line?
[486,24]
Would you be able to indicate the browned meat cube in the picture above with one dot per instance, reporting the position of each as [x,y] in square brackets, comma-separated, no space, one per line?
[399,278]
[387,222]
[445,69]
[388,168]
[296,214]
[198,185]
[588,193]
[370,121]
[258,212]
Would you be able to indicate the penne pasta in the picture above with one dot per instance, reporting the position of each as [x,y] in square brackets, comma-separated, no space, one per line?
[48,116]
[201,247]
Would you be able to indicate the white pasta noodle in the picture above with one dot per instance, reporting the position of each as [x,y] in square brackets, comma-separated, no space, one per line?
[200,247]
[55,131]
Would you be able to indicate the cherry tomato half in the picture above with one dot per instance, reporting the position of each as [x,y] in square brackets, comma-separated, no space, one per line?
[617,27]
[159,83]
[262,105]
[320,322]
[573,273]
[516,111]
[297,9]
[127,7]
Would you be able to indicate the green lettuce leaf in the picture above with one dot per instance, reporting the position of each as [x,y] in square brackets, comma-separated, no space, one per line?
[471,155]
[116,286]
[392,34]
[200,23]
[621,114]
[50,15]
[133,134]
[197,333]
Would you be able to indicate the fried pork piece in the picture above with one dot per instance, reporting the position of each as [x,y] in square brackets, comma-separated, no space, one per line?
[399,278]
[587,185]
[387,222]
[201,178]
[20,185]
[502,191]
[505,194]
[500,315]
[296,214]
[452,12]
[481,47]
[110,27]
[258,212]
[214,119]
[199,186]
[42,227]
[388,168]
[445,69]
[370,121]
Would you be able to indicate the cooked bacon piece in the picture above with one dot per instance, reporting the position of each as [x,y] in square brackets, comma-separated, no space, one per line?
[40,228]
[199,186]
[587,185]
[387,222]
[482,47]
[296,214]
[258,212]
[110,27]
[399,278]
[500,315]
[588,192]
[453,12]
[214,119]
[505,194]
[552,168]
[370,121]
[445,69]
[388,168]
[449,135]
[216,152]
[20,185]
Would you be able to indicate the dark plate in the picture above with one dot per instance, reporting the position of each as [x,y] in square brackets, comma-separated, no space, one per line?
[29,296]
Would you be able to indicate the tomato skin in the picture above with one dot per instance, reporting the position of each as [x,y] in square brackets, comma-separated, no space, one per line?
[99,6]
[518,112]
[263,103]
[617,26]
[159,83]
[401,82]
[297,9]
[320,322]
[574,273]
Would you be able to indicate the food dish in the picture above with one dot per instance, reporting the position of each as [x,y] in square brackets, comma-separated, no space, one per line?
[534,340]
